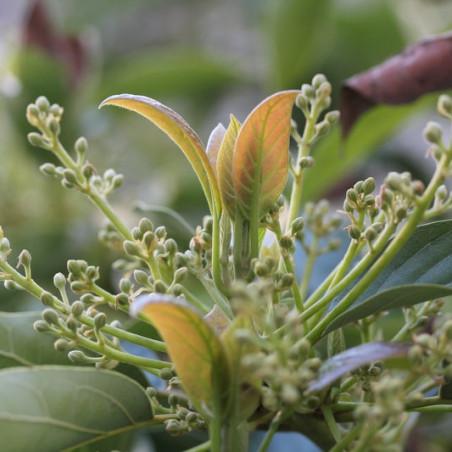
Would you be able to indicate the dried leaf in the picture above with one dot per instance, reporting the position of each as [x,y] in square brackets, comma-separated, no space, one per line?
[423,67]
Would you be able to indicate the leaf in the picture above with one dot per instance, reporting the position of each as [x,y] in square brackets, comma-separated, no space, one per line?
[423,67]
[351,359]
[261,154]
[214,143]
[21,345]
[180,132]
[420,271]
[445,390]
[224,167]
[52,408]
[193,346]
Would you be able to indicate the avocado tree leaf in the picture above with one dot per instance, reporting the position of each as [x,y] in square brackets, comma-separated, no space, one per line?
[52,408]
[180,132]
[261,154]
[214,143]
[21,345]
[420,271]
[355,357]
[224,166]
[193,346]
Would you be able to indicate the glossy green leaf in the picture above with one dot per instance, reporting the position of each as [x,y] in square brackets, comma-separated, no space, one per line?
[51,408]
[421,271]
[180,132]
[261,154]
[224,167]
[193,346]
[21,345]
[355,357]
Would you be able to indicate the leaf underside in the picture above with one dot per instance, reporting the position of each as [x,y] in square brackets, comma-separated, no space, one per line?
[421,271]
[355,357]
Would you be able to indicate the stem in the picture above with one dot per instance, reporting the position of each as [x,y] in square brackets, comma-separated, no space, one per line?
[389,253]
[347,439]
[312,255]
[273,428]
[329,418]
[200,447]
[216,258]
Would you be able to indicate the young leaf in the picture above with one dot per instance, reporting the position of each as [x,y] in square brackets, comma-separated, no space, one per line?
[351,359]
[421,271]
[59,407]
[214,143]
[194,348]
[224,166]
[181,133]
[261,155]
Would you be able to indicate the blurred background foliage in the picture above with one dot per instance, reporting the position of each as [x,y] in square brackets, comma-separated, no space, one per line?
[205,59]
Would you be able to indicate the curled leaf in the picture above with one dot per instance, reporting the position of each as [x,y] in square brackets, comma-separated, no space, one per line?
[224,166]
[261,154]
[423,67]
[214,143]
[193,346]
[181,133]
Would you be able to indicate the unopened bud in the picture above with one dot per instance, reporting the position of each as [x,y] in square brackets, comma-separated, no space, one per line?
[48,169]
[180,274]
[42,103]
[33,115]
[77,308]
[354,232]
[308,91]
[160,232]
[302,102]
[297,225]
[54,126]
[50,316]
[81,146]
[160,286]
[369,185]
[322,128]
[59,281]
[77,357]
[131,248]
[317,80]
[47,299]
[36,139]
[307,162]
[41,326]
[445,106]
[433,132]
[333,117]
[141,277]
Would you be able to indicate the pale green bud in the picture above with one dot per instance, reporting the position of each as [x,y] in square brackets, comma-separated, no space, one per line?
[125,285]
[33,115]
[43,104]
[369,185]
[100,320]
[145,225]
[333,117]
[297,225]
[322,128]
[81,146]
[36,139]
[54,126]
[160,286]
[160,232]
[308,91]
[307,162]
[171,246]
[50,316]
[59,281]
[131,248]
[41,326]
[354,232]
[302,102]
[77,308]
[77,357]
[47,299]
[433,132]
[318,80]
[137,234]
[445,106]
[141,277]
[180,274]
[70,176]
[48,169]
[61,345]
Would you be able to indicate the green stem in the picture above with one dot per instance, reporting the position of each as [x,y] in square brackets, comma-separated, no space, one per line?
[348,438]
[329,418]
[204,447]
[311,257]
[273,428]
[216,258]
[392,249]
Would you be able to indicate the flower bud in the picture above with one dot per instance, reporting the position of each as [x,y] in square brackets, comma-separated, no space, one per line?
[333,117]
[47,298]
[36,139]
[125,285]
[352,195]
[59,281]
[81,146]
[41,326]
[122,299]
[117,181]
[50,316]
[177,290]
[369,185]
[48,169]
[171,246]
[354,232]
[131,248]
[302,102]
[286,242]
[445,106]
[433,132]
[56,110]
[317,80]
[324,90]
[61,345]
[77,308]
[137,234]
[160,286]
[322,128]
[141,277]
[308,91]
[70,176]
[77,357]
[307,162]
[33,115]
[145,225]
[100,320]
[166,373]
[160,232]
[297,225]
[54,126]
[43,104]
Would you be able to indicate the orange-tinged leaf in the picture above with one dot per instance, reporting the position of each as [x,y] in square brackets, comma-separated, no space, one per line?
[214,143]
[180,132]
[261,154]
[193,346]
[224,166]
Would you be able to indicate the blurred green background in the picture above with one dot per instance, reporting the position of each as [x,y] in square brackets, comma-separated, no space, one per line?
[205,59]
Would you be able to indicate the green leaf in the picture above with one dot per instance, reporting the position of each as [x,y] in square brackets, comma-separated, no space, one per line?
[52,408]
[194,348]
[421,271]
[21,345]
[214,143]
[261,155]
[181,133]
[355,357]
[224,167]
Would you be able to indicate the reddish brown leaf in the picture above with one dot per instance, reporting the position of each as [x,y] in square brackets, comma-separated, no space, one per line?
[421,68]
[39,34]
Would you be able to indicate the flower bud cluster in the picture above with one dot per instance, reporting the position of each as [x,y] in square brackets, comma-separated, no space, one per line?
[82,277]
